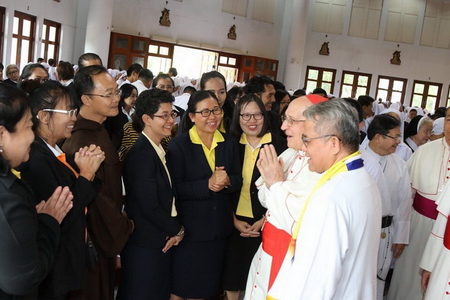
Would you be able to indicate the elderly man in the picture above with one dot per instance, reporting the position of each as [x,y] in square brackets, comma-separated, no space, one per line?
[333,250]
[108,227]
[429,171]
[295,181]
[381,161]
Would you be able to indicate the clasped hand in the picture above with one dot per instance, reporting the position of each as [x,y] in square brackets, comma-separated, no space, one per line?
[58,205]
[270,167]
[219,180]
[88,160]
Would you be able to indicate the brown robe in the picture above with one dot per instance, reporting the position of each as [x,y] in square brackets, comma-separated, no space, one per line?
[108,227]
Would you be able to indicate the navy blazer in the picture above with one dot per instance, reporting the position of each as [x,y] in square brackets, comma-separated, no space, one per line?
[28,240]
[149,196]
[206,215]
[44,173]
[258,210]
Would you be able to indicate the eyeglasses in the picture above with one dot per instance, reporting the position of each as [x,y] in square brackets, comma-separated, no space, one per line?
[397,138]
[306,140]
[41,80]
[247,117]
[71,113]
[164,87]
[112,95]
[207,112]
[290,121]
[173,115]
[13,72]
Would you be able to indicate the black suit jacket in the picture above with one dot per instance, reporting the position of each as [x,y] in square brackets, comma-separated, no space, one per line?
[258,210]
[44,173]
[149,196]
[28,240]
[206,215]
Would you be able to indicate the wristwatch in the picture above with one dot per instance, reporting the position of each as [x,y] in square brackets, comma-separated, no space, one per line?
[181,231]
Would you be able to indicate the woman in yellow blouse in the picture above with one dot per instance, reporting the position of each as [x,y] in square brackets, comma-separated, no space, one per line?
[250,126]
[206,174]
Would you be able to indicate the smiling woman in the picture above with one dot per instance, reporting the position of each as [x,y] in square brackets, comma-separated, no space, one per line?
[54,117]
[29,238]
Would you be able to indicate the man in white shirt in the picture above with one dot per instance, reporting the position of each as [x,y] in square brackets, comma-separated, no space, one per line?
[394,184]
[144,81]
[333,250]
[295,182]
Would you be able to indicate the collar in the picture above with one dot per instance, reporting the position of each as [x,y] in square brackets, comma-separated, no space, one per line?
[55,150]
[265,139]
[195,138]
[158,148]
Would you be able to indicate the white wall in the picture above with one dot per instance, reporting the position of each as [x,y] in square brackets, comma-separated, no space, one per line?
[373,56]
[202,22]
[62,12]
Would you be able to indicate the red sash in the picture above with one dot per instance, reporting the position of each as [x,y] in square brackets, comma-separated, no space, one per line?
[275,242]
[425,207]
[447,234]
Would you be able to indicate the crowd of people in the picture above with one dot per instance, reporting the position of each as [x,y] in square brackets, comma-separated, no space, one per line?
[119,184]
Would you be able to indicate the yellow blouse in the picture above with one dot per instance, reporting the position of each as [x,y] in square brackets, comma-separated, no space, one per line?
[210,154]
[244,207]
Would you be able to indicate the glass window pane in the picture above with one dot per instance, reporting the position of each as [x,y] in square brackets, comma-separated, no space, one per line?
[313,74]
[431,102]
[44,32]
[24,52]
[51,51]
[360,91]
[326,87]
[26,29]
[384,83]
[417,100]
[158,64]
[395,97]
[363,80]
[122,43]
[153,49]
[232,61]
[260,64]
[418,88]
[164,50]
[398,85]
[52,34]
[16,25]
[248,63]
[42,50]
[348,78]
[13,50]
[310,86]
[382,94]
[327,76]
[273,66]
[223,60]
[346,91]
[433,90]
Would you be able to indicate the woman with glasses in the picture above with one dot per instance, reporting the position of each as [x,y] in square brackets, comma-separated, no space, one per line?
[12,74]
[33,75]
[204,164]
[250,126]
[53,120]
[150,203]
[115,125]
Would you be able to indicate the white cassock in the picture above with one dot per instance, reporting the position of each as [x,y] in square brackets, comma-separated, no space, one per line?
[337,244]
[429,170]
[391,175]
[436,257]
[290,195]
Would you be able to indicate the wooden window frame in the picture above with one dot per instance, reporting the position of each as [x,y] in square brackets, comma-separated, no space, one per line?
[2,28]
[355,86]
[425,94]
[390,87]
[56,43]
[23,16]
[319,80]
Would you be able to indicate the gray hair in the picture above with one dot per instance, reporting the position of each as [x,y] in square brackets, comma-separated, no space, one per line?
[424,121]
[336,117]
